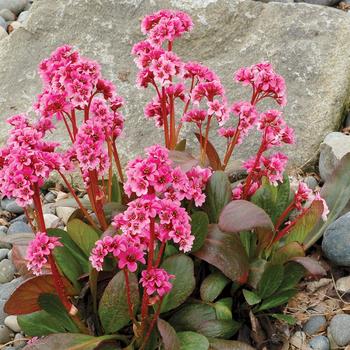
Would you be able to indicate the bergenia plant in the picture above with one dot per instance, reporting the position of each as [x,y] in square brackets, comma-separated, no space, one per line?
[167,253]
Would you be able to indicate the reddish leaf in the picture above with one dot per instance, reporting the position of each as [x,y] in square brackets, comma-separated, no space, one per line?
[168,334]
[226,252]
[183,159]
[287,252]
[19,253]
[311,265]
[212,154]
[24,299]
[241,215]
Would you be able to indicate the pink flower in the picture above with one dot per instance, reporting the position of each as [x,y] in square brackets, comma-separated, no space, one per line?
[302,195]
[38,251]
[130,257]
[325,206]
[156,281]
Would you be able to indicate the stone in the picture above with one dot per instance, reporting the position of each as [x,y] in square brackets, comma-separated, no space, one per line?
[51,221]
[3,229]
[19,227]
[22,218]
[7,271]
[11,206]
[2,243]
[9,255]
[335,146]
[23,16]
[50,197]
[3,253]
[339,328]
[298,339]
[336,241]
[311,182]
[64,213]
[343,284]
[19,342]
[315,325]
[13,26]
[7,15]
[319,343]
[3,33]
[245,32]
[16,6]
[3,23]
[5,334]
[49,208]
[11,322]
[320,2]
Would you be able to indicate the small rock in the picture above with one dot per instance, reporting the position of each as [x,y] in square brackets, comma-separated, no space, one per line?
[9,255]
[336,241]
[5,334]
[12,207]
[7,15]
[51,221]
[2,243]
[315,325]
[64,213]
[50,197]
[23,16]
[13,26]
[343,284]
[298,339]
[49,208]
[62,195]
[11,322]
[22,218]
[19,342]
[3,229]
[7,271]
[3,253]
[19,227]
[16,6]
[339,328]
[319,343]
[311,182]
[3,23]
[334,147]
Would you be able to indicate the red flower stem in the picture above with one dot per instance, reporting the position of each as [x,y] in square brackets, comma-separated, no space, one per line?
[153,322]
[67,127]
[128,296]
[165,118]
[117,161]
[151,245]
[173,139]
[206,137]
[170,45]
[284,214]
[80,204]
[231,147]
[160,254]
[74,123]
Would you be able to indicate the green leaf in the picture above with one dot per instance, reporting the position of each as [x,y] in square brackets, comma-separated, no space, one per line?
[257,268]
[51,303]
[181,146]
[224,329]
[285,318]
[273,199]
[249,241]
[220,344]
[277,299]
[293,273]
[116,191]
[199,229]
[69,342]
[113,308]
[336,192]
[270,280]
[218,195]
[223,309]
[213,285]
[82,234]
[192,341]
[226,252]
[251,297]
[286,252]
[305,223]
[40,323]
[241,215]
[168,334]
[183,284]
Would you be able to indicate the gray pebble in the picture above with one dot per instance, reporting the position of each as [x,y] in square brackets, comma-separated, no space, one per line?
[315,325]
[3,23]
[12,323]
[11,206]
[319,343]
[3,229]
[22,218]
[7,15]
[50,197]
[19,227]
[19,343]
[311,182]
[23,16]
[340,329]
[3,253]
[7,271]
[4,244]
[9,255]
[16,6]
[5,334]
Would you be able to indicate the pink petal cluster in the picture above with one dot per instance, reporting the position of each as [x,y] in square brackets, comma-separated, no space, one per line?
[38,251]
[264,81]
[26,160]
[156,281]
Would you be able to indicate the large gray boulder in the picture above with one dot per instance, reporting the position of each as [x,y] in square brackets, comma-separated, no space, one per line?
[307,44]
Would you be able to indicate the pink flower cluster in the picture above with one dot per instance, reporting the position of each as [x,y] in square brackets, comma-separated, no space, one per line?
[156,281]
[38,251]
[26,160]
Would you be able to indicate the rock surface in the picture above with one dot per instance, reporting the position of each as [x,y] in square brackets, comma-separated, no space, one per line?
[309,47]
[319,343]
[339,328]
[335,146]
[343,284]
[11,322]
[15,6]
[315,325]
[7,271]
[336,241]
